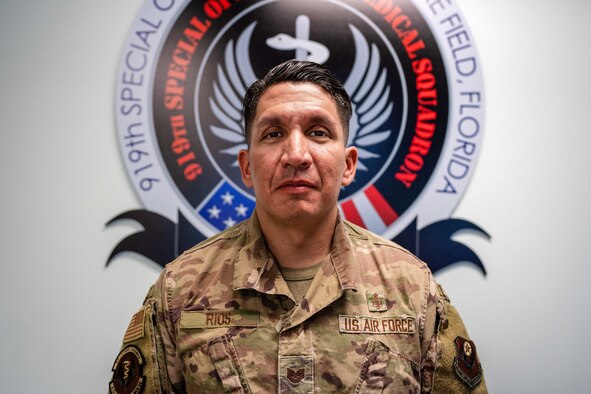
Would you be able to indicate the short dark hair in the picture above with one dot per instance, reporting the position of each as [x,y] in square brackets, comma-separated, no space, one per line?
[297,71]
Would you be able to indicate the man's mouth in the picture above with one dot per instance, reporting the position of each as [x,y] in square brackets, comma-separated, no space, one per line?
[296,184]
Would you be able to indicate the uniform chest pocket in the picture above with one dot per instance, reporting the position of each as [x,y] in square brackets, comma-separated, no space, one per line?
[390,350]
[211,362]
[215,365]
[226,362]
[385,370]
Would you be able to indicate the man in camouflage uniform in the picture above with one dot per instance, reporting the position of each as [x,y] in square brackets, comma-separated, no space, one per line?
[297,300]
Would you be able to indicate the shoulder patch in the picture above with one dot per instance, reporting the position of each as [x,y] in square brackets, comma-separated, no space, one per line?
[466,364]
[135,330]
[127,372]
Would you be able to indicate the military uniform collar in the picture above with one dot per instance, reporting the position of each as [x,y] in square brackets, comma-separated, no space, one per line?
[256,268]
[342,255]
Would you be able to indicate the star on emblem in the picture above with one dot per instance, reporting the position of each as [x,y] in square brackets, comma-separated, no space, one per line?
[214,212]
[228,198]
[229,222]
[241,210]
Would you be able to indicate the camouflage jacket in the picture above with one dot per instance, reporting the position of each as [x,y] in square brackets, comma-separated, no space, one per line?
[221,318]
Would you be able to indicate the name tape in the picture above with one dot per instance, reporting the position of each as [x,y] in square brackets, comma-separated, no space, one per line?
[218,319]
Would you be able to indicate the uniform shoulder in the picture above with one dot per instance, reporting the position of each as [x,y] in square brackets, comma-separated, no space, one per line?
[458,368]
[362,237]
[210,261]
[226,240]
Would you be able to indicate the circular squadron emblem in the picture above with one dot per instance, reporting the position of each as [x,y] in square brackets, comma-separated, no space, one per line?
[127,370]
[410,67]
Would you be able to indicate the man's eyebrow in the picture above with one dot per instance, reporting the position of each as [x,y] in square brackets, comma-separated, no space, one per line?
[269,121]
[322,120]
[316,119]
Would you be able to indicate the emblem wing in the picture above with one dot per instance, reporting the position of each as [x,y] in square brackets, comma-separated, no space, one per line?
[233,78]
[369,93]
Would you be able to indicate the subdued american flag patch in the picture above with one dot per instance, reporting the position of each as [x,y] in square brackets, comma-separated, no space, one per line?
[136,327]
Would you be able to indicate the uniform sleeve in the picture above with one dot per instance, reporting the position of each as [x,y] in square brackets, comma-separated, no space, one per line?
[141,365]
[457,367]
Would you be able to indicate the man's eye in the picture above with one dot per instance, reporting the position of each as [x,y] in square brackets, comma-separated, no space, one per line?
[272,134]
[318,133]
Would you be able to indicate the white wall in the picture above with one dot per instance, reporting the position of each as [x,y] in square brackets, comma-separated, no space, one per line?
[63,314]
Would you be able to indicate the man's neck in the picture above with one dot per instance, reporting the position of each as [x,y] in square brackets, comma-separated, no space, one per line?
[299,246]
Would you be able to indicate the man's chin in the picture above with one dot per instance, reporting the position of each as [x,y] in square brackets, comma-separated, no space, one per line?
[302,214]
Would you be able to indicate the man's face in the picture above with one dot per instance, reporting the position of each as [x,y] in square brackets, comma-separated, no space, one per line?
[297,161]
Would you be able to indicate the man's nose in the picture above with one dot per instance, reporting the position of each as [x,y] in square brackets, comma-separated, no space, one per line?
[295,151]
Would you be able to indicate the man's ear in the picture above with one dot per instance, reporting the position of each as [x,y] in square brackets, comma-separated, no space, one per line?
[244,163]
[350,165]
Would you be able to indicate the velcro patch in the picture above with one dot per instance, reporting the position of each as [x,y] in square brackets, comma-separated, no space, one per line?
[377,325]
[466,364]
[219,319]
[135,330]
[376,301]
[296,374]
[128,377]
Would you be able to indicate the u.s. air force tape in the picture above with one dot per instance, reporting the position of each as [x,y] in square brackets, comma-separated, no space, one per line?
[377,325]
[219,319]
